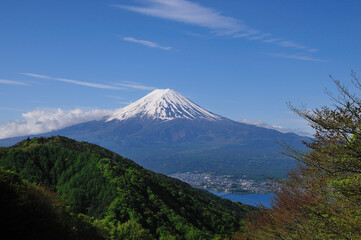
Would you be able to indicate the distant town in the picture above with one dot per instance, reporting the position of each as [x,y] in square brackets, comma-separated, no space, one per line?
[227,183]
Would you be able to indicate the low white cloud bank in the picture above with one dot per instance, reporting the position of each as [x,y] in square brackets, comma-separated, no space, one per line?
[275,127]
[46,120]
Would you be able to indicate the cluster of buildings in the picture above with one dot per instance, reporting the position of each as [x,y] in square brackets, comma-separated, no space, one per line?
[227,183]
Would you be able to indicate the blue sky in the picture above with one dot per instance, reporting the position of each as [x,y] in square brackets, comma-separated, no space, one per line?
[63,62]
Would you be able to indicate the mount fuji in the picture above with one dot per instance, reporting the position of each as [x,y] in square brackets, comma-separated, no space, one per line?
[163,104]
[166,132]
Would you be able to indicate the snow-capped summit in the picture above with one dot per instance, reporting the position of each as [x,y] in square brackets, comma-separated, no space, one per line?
[163,104]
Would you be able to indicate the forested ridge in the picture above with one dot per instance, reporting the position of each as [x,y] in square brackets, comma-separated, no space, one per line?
[121,199]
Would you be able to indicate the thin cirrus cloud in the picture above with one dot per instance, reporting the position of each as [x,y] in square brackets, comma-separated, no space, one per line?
[11,82]
[189,12]
[291,44]
[46,120]
[146,43]
[298,57]
[272,40]
[117,86]
[193,13]
[134,85]
[87,84]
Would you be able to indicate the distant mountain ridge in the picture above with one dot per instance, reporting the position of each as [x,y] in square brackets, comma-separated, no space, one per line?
[167,133]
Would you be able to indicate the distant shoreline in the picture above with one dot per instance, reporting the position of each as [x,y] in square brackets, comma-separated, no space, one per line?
[254,199]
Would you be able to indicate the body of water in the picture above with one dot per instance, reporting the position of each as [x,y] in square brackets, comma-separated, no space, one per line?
[247,198]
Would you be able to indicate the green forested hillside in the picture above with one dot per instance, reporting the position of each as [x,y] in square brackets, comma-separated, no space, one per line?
[31,212]
[101,184]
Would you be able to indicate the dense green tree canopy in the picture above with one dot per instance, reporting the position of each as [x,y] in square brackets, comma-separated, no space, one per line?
[29,211]
[99,183]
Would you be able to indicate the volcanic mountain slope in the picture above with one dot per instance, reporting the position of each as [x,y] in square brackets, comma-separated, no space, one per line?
[101,184]
[163,104]
[167,133]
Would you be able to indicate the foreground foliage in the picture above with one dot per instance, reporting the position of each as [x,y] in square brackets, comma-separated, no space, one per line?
[128,199]
[322,198]
[31,212]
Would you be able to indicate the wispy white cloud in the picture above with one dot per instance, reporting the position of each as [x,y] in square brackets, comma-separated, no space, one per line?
[193,13]
[189,12]
[11,82]
[248,33]
[260,37]
[298,57]
[291,44]
[272,40]
[46,120]
[87,84]
[37,76]
[134,85]
[146,43]
[124,85]
[275,127]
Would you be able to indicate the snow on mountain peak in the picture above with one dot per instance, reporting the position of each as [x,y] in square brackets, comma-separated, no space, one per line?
[163,104]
